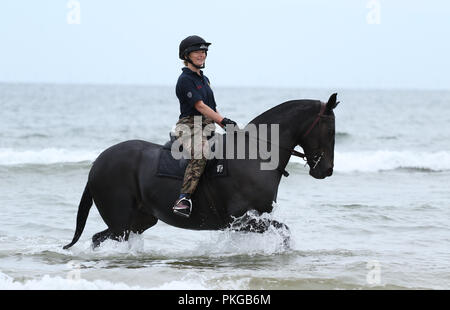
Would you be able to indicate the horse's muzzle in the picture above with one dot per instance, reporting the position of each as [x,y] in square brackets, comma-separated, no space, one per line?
[321,174]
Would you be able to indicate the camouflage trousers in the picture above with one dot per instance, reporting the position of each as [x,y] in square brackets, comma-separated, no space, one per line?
[190,131]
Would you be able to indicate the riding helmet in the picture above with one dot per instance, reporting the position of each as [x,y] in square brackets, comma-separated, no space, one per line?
[192,43]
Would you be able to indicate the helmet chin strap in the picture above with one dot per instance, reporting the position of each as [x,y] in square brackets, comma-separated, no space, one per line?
[188,59]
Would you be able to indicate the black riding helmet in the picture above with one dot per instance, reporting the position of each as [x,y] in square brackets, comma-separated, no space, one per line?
[191,44]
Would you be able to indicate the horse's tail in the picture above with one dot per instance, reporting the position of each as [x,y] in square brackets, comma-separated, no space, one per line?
[83,212]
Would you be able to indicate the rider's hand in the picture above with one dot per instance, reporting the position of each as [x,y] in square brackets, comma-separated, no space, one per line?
[227,121]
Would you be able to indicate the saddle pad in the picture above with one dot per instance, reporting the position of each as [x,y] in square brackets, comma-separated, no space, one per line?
[175,168]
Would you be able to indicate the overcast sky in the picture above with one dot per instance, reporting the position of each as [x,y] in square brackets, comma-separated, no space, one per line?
[315,43]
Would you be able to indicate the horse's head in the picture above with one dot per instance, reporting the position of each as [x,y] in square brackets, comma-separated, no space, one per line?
[318,140]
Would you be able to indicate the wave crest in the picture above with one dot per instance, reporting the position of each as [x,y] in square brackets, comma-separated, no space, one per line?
[364,161]
[375,161]
[9,157]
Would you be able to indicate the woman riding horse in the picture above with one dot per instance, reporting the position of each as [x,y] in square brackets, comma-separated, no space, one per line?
[197,111]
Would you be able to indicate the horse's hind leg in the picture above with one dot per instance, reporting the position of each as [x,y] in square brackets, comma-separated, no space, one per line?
[99,237]
[138,221]
[122,213]
[141,221]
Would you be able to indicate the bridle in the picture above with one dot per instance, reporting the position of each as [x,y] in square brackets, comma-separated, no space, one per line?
[318,157]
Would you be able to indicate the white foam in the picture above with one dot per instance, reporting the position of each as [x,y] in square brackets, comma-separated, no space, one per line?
[58,283]
[229,242]
[10,156]
[364,161]
[191,280]
[192,284]
[373,161]
[207,281]
[133,247]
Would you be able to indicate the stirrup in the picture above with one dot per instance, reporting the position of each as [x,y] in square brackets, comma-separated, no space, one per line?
[183,209]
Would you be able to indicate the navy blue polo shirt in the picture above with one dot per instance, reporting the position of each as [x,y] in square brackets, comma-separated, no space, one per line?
[191,88]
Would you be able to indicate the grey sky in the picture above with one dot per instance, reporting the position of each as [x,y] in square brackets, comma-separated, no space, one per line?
[279,43]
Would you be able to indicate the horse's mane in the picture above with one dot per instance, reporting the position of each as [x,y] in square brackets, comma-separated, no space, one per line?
[283,109]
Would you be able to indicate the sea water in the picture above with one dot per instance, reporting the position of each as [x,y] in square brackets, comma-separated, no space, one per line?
[381,221]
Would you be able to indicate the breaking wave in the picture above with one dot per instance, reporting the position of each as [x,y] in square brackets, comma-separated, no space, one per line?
[375,161]
[45,156]
[365,161]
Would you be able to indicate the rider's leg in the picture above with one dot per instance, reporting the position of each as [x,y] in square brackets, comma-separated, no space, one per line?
[198,146]
[192,176]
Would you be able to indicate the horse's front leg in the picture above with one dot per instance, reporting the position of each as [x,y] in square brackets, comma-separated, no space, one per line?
[248,223]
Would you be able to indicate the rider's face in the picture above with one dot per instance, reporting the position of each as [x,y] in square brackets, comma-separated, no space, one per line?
[198,57]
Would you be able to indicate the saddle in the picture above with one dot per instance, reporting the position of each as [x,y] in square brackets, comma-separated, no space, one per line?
[170,167]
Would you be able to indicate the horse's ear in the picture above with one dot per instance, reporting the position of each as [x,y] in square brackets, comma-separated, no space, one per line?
[331,104]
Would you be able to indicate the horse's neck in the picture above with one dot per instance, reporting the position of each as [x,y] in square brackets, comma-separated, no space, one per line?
[283,131]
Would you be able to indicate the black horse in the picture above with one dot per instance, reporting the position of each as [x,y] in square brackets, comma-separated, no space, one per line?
[130,197]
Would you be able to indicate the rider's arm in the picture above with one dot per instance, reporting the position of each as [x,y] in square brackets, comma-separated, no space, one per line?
[208,112]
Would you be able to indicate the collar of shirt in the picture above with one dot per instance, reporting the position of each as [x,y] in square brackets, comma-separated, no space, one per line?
[189,71]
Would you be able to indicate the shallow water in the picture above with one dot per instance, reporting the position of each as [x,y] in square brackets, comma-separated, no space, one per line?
[381,220]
